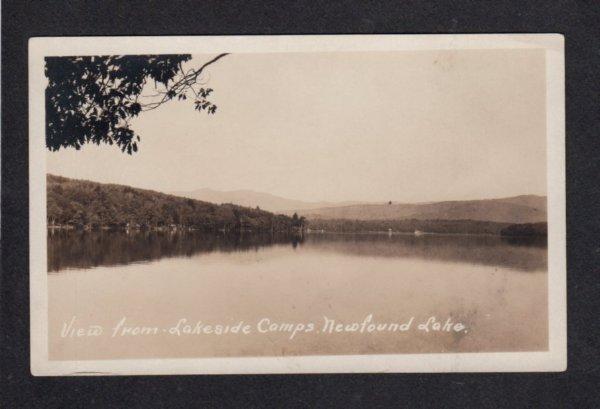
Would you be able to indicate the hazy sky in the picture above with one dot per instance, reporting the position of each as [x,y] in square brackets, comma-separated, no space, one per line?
[402,126]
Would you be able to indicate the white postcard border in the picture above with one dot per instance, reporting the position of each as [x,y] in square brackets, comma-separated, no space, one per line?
[555,359]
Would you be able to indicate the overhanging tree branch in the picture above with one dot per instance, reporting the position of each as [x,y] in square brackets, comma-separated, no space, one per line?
[92,99]
[179,87]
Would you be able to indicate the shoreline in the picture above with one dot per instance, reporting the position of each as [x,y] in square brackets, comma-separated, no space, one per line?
[298,232]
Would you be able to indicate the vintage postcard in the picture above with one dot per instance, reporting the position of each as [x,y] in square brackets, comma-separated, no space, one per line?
[297,204]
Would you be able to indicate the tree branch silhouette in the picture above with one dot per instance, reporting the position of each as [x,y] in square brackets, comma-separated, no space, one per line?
[187,82]
[92,99]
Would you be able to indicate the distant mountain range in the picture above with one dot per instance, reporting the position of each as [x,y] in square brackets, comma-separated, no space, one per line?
[517,209]
[265,201]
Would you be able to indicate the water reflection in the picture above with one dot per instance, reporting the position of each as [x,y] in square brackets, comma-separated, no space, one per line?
[516,253]
[80,249]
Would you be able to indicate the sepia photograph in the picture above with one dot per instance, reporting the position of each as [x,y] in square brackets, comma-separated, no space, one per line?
[297,204]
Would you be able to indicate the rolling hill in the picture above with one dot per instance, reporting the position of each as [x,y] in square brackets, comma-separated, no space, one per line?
[518,209]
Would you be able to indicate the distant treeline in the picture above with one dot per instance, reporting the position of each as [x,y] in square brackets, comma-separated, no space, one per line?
[90,205]
[427,226]
[525,229]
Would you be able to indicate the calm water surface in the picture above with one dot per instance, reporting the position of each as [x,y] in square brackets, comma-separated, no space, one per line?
[496,287]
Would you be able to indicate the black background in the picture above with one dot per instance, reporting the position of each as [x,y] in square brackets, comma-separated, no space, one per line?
[576,388]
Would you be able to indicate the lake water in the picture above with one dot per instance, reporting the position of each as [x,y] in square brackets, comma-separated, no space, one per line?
[496,288]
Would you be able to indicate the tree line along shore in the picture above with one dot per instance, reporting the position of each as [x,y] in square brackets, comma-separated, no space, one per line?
[79,204]
[431,226]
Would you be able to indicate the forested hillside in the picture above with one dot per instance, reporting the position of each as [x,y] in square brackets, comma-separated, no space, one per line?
[84,204]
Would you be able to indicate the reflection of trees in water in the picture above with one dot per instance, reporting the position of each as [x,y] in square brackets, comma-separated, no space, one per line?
[528,254]
[84,249]
[80,249]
